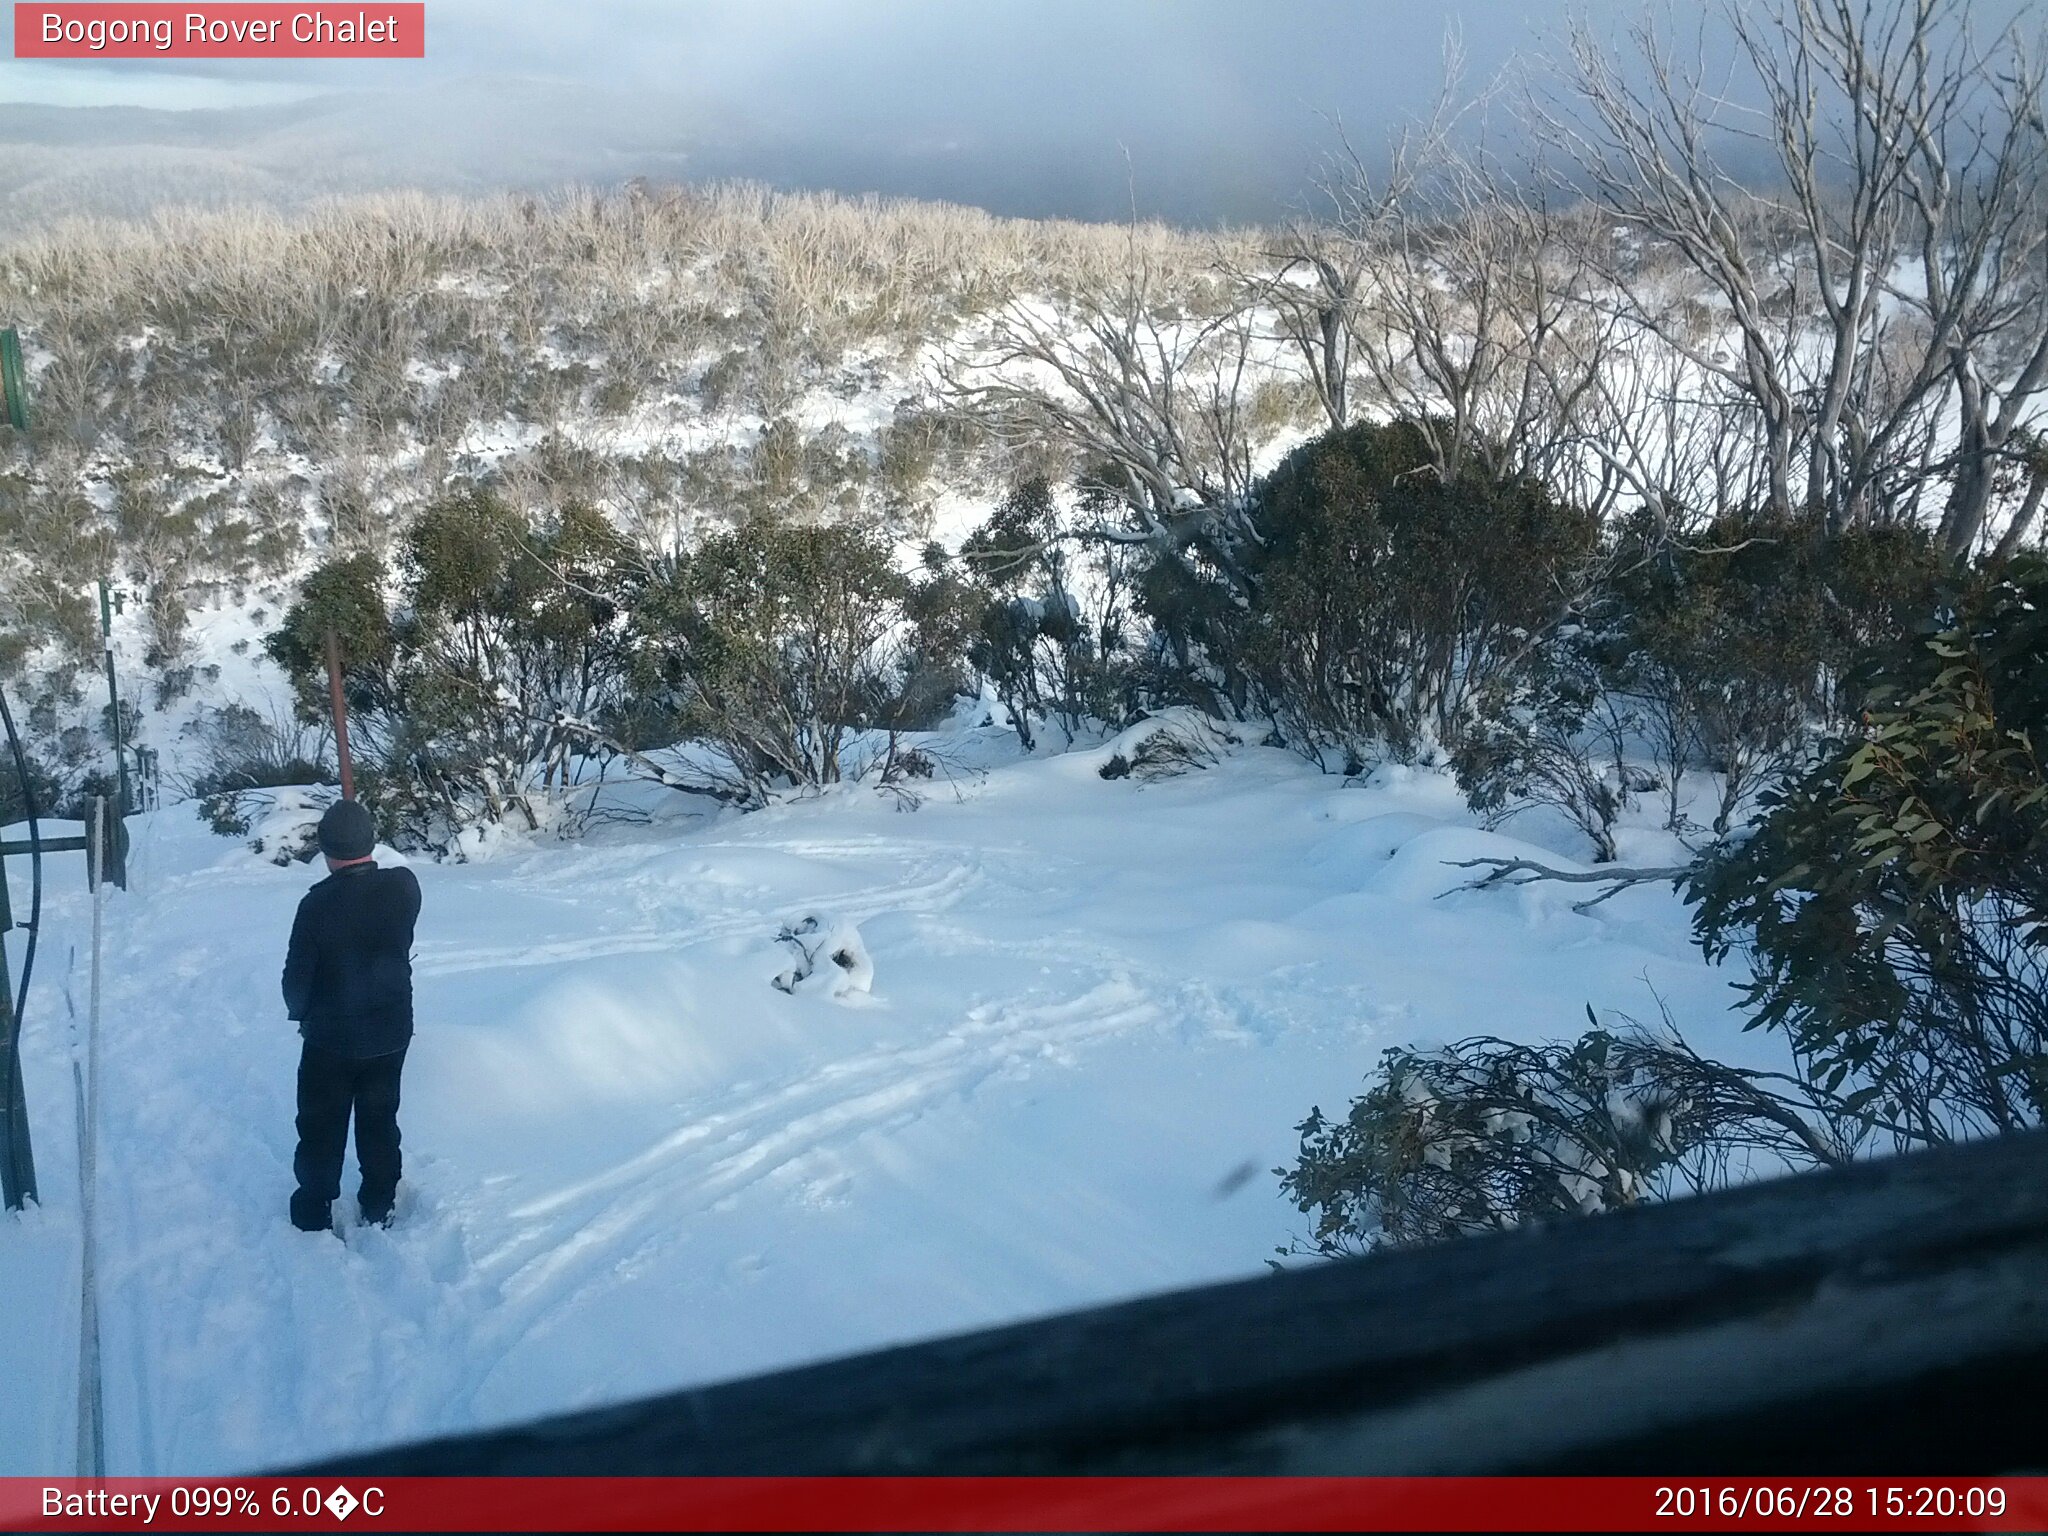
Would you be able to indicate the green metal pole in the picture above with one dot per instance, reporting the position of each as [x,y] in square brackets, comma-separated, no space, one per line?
[117,862]
[13,381]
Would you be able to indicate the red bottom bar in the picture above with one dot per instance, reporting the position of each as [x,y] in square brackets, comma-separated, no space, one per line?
[1054,1504]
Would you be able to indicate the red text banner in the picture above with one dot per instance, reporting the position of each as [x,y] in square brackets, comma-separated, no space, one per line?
[220,31]
[1006,1504]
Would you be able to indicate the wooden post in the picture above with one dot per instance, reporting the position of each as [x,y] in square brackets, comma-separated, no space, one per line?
[340,708]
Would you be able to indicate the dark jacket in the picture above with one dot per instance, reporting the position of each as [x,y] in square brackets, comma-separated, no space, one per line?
[348,972]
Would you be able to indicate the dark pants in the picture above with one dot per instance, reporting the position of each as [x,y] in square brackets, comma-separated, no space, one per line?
[330,1086]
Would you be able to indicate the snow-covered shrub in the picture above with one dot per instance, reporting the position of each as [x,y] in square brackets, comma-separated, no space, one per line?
[1733,646]
[1179,742]
[769,642]
[69,764]
[43,787]
[1389,599]
[282,824]
[1551,734]
[1484,1135]
[1049,633]
[240,748]
[53,542]
[472,701]
[831,959]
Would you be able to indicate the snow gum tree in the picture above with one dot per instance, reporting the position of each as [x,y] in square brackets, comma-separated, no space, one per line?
[769,642]
[470,695]
[1143,374]
[1048,641]
[1885,277]
[1391,596]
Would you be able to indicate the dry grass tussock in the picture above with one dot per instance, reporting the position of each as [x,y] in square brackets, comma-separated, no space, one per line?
[288,379]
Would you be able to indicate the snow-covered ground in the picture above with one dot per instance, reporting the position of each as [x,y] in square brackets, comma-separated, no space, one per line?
[1098,1010]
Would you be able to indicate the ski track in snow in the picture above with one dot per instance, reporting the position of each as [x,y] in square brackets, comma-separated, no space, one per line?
[632,1165]
[917,895]
[458,1300]
[718,1158]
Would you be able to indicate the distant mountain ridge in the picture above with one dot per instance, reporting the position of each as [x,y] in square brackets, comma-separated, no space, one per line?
[472,135]
[493,133]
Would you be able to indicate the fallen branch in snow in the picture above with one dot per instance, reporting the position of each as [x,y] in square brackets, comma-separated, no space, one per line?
[1527,872]
[563,721]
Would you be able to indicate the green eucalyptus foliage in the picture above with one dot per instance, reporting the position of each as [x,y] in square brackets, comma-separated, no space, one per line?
[1040,647]
[344,596]
[1893,902]
[1736,645]
[768,641]
[1486,1134]
[1388,598]
[471,694]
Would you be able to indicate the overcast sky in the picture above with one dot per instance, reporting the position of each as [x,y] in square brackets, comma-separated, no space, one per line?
[1208,108]
[928,61]
[1220,106]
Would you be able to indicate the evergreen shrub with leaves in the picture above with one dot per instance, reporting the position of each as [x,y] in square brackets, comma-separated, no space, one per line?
[472,696]
[1485,1134]
[1046,649]
[769,642]
[1389,599]
[1893,902]
[1733,648]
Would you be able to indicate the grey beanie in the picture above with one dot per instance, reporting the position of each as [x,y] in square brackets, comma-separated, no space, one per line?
[346,831]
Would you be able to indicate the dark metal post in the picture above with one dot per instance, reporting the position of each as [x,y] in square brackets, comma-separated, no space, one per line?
[340,708]
[17,1162]
[117,856]
[17,1165]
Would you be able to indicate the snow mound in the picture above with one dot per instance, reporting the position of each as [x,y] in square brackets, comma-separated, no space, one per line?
[1364,845]
[1164,746]
[283,825]
[280,826]
[832,959]
[1425,866]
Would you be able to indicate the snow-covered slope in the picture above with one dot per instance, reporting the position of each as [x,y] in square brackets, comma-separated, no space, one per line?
[1098,1009]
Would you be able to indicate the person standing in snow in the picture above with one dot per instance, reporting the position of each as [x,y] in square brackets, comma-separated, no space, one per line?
[348,986]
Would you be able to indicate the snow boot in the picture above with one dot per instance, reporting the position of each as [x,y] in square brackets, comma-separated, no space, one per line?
[311,1215]
[376,1212]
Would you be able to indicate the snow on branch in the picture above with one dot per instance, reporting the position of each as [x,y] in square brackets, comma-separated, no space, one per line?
[1508,872]
[562,721]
